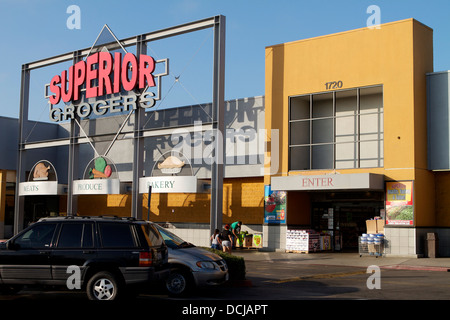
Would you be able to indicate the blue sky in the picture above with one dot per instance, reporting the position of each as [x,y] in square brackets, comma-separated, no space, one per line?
[31,30]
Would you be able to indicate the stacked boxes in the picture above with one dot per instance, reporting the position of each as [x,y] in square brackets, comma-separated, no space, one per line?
[248,241]
[373,241]
[375,226]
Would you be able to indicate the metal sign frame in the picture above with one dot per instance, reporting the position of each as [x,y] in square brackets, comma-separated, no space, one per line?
[140,41]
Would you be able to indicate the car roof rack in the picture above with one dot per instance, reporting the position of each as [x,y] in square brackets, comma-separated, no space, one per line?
[117,217]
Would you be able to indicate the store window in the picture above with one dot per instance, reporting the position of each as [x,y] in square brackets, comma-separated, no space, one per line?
[336,130]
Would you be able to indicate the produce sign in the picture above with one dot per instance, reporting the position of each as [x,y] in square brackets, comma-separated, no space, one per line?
[399,203]
[100,177]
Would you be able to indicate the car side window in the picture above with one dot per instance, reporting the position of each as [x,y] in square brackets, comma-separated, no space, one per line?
[70,235]
[37,237]
[116,235]
[150,235]
[75,235]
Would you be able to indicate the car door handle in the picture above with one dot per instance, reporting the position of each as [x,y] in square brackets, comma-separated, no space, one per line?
[88,251]
[44,252]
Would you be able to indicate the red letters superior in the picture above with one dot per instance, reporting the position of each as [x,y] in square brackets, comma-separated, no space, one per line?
[110,76]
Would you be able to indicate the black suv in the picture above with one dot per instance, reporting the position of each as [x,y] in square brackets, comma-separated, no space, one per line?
[103,255]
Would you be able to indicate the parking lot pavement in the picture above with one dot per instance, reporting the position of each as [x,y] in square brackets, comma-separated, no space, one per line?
[289,276]
[347,259]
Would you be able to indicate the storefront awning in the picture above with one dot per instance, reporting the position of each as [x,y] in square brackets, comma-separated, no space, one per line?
[354,181]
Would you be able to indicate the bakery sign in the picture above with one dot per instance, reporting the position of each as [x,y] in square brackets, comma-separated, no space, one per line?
[110,82]
[170,174]
[42,180]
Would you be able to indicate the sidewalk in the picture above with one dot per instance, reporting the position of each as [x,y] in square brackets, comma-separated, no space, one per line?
[347,259]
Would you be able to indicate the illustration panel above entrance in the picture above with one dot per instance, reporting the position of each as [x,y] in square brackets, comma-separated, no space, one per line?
[100,177]
[42,180]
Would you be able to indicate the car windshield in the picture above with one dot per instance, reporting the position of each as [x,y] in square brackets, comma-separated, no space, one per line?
[172,240]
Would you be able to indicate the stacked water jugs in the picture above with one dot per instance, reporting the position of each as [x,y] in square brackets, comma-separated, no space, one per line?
[374,241]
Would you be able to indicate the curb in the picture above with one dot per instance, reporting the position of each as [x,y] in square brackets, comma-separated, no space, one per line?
[422,268]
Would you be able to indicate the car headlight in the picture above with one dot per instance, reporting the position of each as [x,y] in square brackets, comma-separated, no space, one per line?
[206,265]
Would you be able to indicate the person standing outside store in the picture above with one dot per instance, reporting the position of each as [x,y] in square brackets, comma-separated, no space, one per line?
[235,230]
[226,238]
[215,240]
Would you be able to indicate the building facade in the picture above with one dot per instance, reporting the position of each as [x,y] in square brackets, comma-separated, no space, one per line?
[353,126]
[351,109]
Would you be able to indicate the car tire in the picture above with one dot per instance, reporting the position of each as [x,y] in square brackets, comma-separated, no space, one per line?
[179,283]
[103,286]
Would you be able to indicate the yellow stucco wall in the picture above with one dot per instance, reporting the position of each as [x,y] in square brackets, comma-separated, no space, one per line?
[243,199]
[397,55]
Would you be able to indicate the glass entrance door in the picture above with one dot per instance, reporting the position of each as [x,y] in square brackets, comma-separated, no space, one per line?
[345,222]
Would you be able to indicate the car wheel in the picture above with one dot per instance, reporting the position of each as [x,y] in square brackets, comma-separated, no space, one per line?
[103,286]
[178,283]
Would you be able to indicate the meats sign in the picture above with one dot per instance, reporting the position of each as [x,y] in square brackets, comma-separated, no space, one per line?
[100,76]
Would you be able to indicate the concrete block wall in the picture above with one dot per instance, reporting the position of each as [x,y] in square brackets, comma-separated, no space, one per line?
[412,242]
[400,242]
[274,237]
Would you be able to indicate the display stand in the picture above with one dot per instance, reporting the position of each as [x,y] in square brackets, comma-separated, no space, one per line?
[297,241]
[249,241]
[305,241]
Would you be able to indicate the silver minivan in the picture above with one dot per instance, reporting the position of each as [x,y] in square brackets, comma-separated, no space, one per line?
[191,266]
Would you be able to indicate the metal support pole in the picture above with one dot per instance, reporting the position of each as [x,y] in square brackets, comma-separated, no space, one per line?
[20,175]
[72,200]
[217,169]
[138,148]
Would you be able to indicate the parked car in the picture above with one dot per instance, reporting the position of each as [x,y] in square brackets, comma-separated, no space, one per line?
[111,254]
[191,266]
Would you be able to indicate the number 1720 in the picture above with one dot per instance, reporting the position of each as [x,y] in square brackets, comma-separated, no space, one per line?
[333,85]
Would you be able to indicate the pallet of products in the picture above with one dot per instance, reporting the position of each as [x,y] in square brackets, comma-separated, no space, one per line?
[302,241]
[297,241]
[249,241]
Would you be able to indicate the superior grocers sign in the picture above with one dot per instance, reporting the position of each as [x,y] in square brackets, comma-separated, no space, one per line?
[102,75]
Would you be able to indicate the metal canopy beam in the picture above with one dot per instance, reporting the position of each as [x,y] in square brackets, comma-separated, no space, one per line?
[131,41]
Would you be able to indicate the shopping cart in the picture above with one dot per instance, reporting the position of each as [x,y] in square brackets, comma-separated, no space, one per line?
[371,245]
